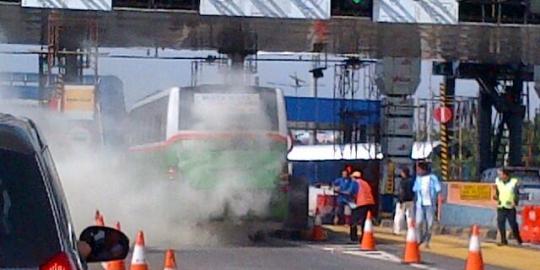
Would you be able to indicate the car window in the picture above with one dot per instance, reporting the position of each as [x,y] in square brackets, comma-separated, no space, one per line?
[28,235]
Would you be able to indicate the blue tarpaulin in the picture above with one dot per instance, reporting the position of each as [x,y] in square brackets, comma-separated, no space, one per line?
[328,111]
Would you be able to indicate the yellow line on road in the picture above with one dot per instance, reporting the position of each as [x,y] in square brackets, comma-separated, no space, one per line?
[508,256]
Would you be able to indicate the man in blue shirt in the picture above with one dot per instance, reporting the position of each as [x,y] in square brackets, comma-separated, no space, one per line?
[427,189]
[346,190]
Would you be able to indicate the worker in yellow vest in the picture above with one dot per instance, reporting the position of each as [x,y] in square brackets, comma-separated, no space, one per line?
[507,197]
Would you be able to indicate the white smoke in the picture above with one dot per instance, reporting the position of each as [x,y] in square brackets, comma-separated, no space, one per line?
[170,212]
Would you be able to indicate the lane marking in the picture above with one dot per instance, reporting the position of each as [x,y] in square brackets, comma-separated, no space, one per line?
[376,255]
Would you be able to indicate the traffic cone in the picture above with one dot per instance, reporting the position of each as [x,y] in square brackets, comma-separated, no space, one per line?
[368,239]
[474,260]
[412,251]
[347,214]
[116,265]
[99,219]
[317,234]
[138,261]
[170,260]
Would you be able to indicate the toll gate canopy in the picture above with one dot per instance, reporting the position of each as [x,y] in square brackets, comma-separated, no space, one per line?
[127,27]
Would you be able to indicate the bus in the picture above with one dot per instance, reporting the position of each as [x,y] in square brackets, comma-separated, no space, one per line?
[208,134]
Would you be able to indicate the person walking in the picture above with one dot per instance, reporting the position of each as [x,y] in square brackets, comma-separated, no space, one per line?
[405,198]
[365,202]
[507,197]
[426,188]
[342,187]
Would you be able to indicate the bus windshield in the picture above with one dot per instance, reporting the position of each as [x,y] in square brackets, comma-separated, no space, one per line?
[218,110]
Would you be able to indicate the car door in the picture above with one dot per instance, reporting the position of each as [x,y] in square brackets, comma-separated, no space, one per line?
[65,227]
[29,235]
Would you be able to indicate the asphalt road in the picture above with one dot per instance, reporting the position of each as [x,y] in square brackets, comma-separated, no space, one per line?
[278,254]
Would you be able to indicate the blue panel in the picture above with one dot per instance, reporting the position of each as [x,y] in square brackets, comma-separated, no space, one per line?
[302,109]
[464,216]
[19,92]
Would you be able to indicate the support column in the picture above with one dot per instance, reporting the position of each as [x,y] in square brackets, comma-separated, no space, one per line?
[515,124]
[485,130]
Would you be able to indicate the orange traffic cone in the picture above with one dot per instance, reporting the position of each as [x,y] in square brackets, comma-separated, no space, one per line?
[368,239]
[317,233]
[117,265]
[412,251]
[99,219]
[138,261]
[474,260]
[170,260]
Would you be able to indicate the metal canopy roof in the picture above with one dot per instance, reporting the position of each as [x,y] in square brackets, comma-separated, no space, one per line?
[346,35]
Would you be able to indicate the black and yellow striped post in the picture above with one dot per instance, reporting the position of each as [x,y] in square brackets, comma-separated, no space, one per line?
[446,101]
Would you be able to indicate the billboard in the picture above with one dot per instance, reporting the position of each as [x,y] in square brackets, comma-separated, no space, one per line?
[297,9]
[416,11]
[79,101]
[69,4]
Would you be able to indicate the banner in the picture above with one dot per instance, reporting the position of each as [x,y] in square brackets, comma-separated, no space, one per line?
[69,4]
[294,9]
[416,11]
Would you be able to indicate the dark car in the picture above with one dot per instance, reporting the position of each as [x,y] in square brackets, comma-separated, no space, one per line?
[35,225]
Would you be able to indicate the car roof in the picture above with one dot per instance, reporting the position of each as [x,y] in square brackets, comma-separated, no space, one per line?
[18,134]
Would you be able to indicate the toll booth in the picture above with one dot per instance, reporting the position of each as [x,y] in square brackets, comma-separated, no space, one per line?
[319,165]
[329,134]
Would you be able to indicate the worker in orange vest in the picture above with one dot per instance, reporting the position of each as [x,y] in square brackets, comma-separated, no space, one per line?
[365,202]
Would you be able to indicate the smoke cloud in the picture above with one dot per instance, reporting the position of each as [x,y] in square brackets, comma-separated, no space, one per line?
[172,213]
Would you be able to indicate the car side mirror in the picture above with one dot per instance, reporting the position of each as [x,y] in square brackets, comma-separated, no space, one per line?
[107,244]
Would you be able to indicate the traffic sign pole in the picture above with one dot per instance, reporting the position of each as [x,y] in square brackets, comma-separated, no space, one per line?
[445,118]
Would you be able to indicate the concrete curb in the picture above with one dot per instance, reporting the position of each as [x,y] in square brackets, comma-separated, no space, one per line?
[439,229]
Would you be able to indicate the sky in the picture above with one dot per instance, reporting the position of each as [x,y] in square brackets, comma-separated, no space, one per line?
[144,76]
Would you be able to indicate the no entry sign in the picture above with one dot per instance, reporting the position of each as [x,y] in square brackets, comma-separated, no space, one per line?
[443,114]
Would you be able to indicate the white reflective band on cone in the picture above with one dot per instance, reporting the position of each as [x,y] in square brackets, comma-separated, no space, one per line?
[138,255]
[411,234]
[368,227]
[347,210]
[318,221]
[474,244]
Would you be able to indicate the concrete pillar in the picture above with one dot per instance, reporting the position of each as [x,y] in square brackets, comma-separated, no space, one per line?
[485,133]
[515,125]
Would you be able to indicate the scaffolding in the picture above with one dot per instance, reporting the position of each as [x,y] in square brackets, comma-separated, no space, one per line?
[62,62]
[354,79]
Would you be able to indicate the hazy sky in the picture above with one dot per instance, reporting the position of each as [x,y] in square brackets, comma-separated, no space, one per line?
[143,76]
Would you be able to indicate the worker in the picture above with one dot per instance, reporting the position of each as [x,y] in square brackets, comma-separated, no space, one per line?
[341,187]
[405,198]
[507,197]
[426,188]
[365,202]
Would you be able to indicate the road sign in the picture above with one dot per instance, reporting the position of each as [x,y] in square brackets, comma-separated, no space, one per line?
[299,9]
[69,4]
[443,114]
[398,126]
[414,11]
[398,75]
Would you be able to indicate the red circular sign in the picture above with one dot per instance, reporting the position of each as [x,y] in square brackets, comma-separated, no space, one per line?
[443,114]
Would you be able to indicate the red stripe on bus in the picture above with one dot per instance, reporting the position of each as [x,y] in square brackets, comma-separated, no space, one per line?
[184,136]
